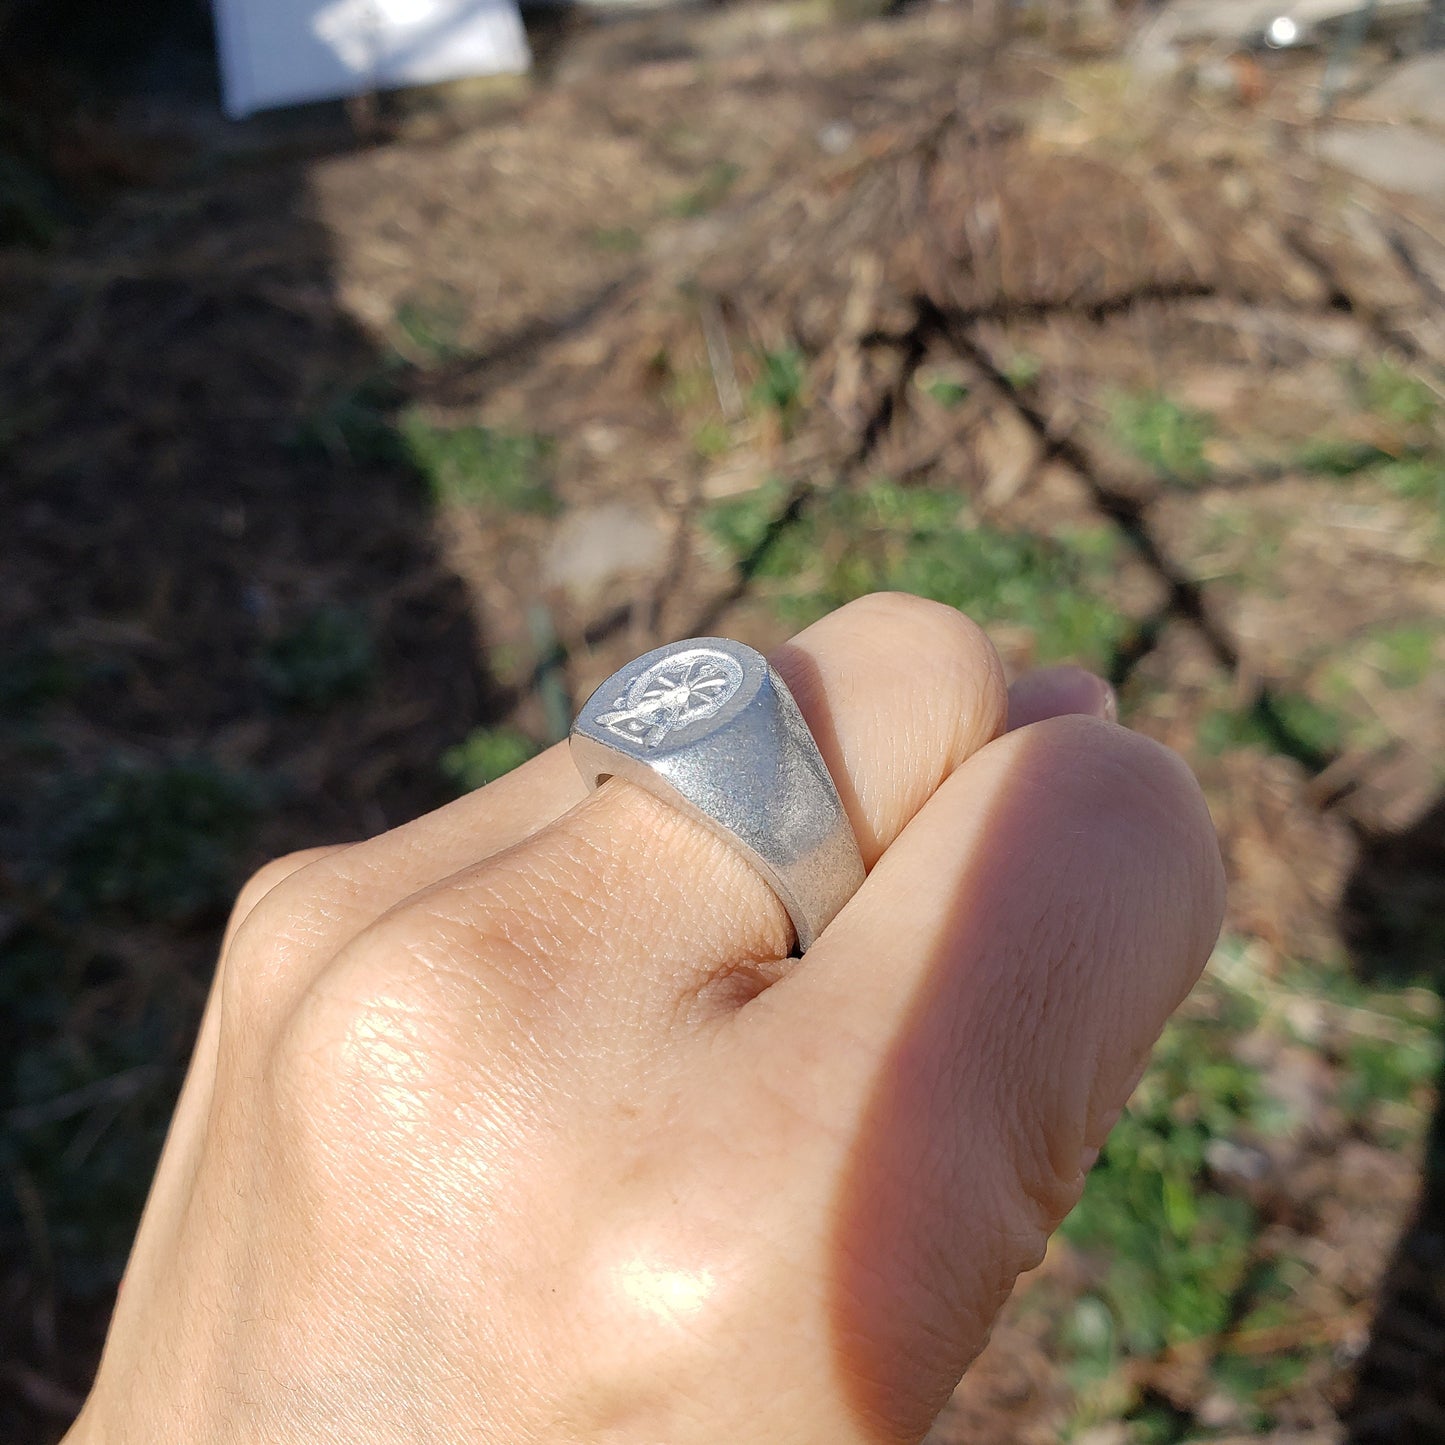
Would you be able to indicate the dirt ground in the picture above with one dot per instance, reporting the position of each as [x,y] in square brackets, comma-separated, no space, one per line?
[411,426]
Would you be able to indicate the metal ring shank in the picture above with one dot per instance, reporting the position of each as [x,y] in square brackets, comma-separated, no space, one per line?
[722,738]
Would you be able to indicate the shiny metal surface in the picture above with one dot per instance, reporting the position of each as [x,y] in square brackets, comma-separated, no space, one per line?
[708,726]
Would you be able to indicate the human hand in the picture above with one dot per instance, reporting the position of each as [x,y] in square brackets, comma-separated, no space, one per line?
[517,1124]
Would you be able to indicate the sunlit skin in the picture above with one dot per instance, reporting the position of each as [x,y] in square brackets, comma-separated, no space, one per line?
[518,1124]
[670,1296]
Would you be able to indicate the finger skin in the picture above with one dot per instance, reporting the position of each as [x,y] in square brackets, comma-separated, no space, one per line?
[195,1093]
[627,890]
[180,1157]
[992,991]
[304,919]
[297,912]
[377,874]
[1057,691]
[897,692]
[415,1219]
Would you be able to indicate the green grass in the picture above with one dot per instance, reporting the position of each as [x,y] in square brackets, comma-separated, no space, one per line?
[947,391]
[623,240]
[1340,457]
[1411,465]
[712,188]
[430,324]
[32,675]
[1348,681]
[1167,437]
[1405,656]
[1022,369]
[325,656]
[1418,479]
[159,840]
[32,211]
[1299,727]
[712,439]
[130,866]
[1400,396]
[741,524]
[1416,473]
[1388,1040]
[1239,543]
[1255,1381]
[126,865]
[780,383]
[846,543]
[1174,1250]
[354,422]
[479,467]
[1396,1069]
[96,1033]
[87,1098]
[484,755]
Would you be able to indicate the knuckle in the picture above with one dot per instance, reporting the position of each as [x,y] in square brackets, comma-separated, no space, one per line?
[267,930]
[415,999]
[265,880]
[368,1055]
[967,677]
[932,627]
[1046,1151]
[966,693]
[972,693]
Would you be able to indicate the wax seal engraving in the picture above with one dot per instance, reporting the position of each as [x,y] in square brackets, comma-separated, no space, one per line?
[682,689]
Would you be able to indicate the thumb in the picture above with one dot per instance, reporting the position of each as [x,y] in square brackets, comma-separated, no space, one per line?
[1004,972]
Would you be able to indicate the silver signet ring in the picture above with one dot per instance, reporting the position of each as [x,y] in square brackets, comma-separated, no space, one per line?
[710,727]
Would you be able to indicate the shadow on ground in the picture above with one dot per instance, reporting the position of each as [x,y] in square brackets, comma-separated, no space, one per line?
[225,633]
[1395,923]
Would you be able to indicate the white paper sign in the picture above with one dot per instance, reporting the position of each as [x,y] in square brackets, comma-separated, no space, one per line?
[283,52]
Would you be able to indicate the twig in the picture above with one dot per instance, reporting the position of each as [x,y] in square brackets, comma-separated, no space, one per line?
[720,359]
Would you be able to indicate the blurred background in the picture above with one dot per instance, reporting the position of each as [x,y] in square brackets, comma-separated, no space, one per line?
[346,447]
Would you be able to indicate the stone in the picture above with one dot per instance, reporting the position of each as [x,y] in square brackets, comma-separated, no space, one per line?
[1412,93]
[593,545]
[1396,157]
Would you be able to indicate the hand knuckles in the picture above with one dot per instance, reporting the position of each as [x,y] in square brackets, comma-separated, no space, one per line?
[961,678]
[416,1000]
[266,879]
[370,1054]
[1046,1155]
[957,681]
[273,938]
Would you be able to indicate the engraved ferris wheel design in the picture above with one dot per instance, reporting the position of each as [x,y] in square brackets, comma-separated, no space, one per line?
[682,689]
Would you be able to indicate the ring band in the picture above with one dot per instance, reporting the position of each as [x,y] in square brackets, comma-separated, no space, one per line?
[710,727]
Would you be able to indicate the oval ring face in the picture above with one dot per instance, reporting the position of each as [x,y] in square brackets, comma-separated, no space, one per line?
[680,690]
